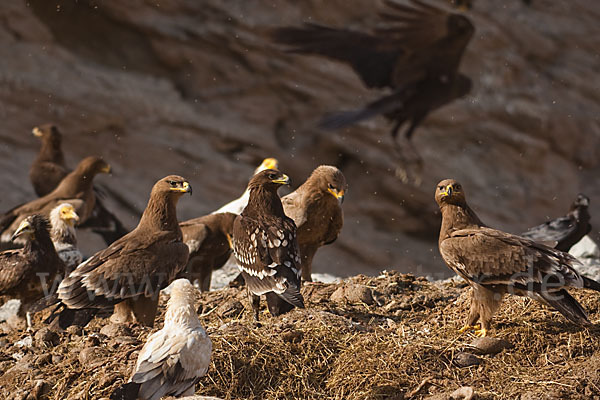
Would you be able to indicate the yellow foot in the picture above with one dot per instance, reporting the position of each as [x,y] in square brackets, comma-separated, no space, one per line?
[468,328]
[481,332]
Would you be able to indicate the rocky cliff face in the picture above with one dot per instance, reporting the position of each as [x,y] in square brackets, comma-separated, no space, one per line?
[195,88]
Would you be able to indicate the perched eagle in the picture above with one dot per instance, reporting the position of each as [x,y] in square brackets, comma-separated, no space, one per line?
[416,53]
[49,168]
[316,208]
[30,273]
[495,263]
[76,188]
[567,230]
[130,272]
[63,219]
[265,243]
[236,206]
[208,239]
[174,358]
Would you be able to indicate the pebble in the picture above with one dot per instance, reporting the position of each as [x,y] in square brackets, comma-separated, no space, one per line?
[489,345]
[463,359]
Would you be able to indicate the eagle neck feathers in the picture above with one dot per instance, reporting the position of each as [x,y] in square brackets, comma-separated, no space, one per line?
[457,217]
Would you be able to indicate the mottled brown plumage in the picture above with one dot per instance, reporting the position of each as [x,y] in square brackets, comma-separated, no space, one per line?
[130,272]
[31,273]
[316,208]
[265,243]
[49,167]
[208,239]
[567,230]
[495,263]
[416,53]
[76,188]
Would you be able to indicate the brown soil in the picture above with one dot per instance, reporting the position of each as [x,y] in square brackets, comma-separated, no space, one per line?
[405,344]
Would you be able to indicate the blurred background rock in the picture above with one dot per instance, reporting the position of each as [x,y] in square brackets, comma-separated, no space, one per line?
[196,88]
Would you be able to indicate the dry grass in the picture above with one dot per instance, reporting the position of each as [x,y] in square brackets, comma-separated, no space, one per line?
[405,341]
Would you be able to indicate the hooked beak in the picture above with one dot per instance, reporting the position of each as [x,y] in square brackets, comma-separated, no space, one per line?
[185,188]
[70,217]
[448,191]
[338,195]
[25,227]
[36,132]
[106,169]
[284,180]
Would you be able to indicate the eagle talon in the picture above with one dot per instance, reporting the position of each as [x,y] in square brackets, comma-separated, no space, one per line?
[466,328]
[481,332]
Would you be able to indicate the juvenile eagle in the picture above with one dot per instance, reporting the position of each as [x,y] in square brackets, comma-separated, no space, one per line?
[265,243]
[495,263]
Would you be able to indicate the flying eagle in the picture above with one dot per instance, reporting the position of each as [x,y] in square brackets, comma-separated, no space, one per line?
[208,239]
[63,219]
[49,168]
[130,273]
[29,273]
[416,53]
[567,230]
[265,243]
[174,358]
[76,188]
[495,263]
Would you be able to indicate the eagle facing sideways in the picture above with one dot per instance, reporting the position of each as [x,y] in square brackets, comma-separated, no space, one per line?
[130,273]
[416,54]
[565,231]
[76,188]
[29,273]
[174,358]
[63,219]
[265,243]
[495,263]
[49,168]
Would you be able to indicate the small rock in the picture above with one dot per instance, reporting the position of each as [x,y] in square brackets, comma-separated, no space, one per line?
[353,293]
[114,330]
[89,355]
[463,393]
[38,390]
[292,336]
[46,338]
[9,309]
[489,345]
[43,359]
[27,341]
[230,309]
[74,330]
[56,358]
[463,359]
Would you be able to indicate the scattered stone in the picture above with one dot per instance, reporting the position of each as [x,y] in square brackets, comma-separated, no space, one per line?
[463,359]
[27,341]
[462,393]
[292,336]
[114,330]
[489,345]
[46,338]
[9,309]
[75,330]
[353,293]
[90,355]
[43,359]
[230,309]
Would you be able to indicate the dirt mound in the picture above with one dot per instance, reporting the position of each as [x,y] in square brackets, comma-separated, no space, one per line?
[388,337]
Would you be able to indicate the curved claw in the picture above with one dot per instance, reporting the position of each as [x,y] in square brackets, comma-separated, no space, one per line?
[481,332]
[466,328]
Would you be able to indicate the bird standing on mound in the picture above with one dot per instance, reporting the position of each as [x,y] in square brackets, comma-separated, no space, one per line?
[63,219]
[265,244]
[76,188]
[29,273]
[174,358]
[316,208]
[416,54]
[130,272]
[495,263]
[567,230]
[208,239]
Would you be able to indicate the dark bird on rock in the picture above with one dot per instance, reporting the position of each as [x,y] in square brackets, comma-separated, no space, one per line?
[30,273]
[495,263]
[49,168]
[63,219]
[174,358]
[316,208]
[416,54]
[265,243]
[130,273]
[565,231]
[208,239]
[76,188]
